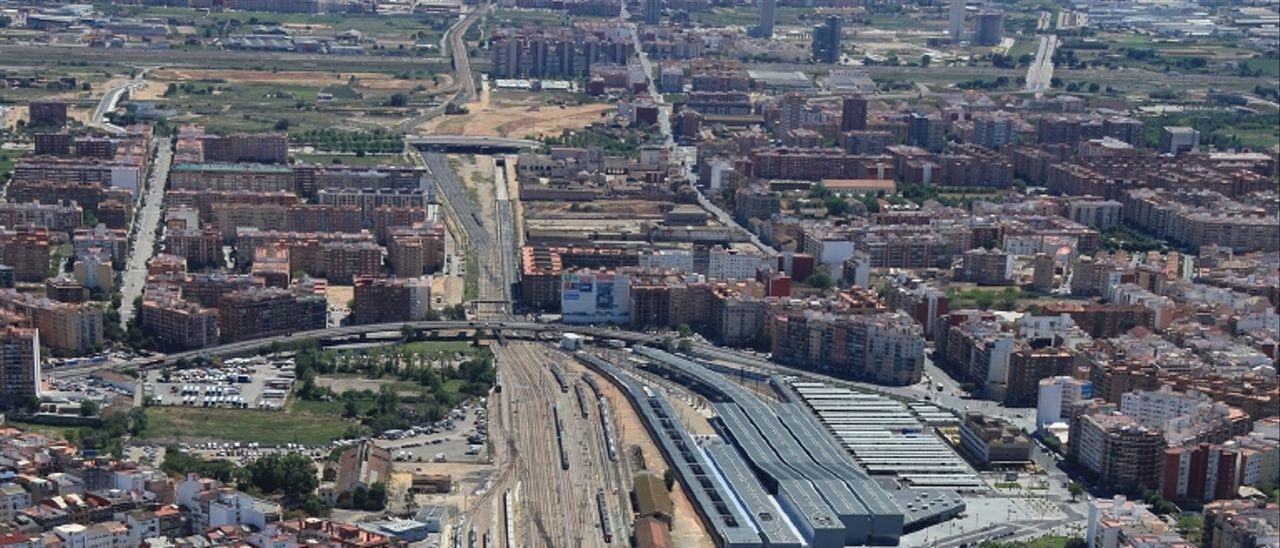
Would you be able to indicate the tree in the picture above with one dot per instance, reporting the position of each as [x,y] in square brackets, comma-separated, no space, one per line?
[178,463]
[315,507]
[282,124]
[669,479]
[820,280]
[1191,528]
[684,330]
[376,499]
[1075,489]
[88,408]
[684,346]
[398,100]
[291,474]
[137,421]
[455,313]
[925,60]
[350,408]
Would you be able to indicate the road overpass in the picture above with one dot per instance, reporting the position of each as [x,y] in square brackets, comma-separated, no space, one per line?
[246,347]
[465,143]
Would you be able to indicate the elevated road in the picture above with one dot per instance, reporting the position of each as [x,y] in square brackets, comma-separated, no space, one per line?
[465,143]
[111,99]
[463,79]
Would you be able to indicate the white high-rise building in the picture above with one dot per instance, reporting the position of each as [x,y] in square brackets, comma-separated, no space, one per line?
[956,26]
[1155,408]
[731,264]
[1057,396]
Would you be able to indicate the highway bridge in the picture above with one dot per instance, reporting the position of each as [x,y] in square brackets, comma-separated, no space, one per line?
[464,143]
[250,346]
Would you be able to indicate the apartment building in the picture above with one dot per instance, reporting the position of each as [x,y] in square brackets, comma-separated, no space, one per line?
[1058,397]
[231,177]
[386,218]
[200,247]
[68,329]
[555,52]
[416,250]
[312,180]
[269,311]
[245,148]
[26,250]
[732,264]
[816,164]
[19,375]
[1104,321]
[94,270]
[336,255]
[884,348]
[203,200]
[1118,522]
[296,217]
[209,505]
[369,199]
[57,217]
[1029,365]
[113,240]
[385,300]
[986,267]
[176,322]
[1240,523]
[1123,453]
[1198,218]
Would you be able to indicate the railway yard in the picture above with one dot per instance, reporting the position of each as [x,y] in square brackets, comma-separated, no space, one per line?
[555,494]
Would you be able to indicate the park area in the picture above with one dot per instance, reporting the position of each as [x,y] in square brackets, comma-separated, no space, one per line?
[343,394]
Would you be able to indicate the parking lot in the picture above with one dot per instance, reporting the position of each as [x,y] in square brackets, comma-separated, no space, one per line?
[246,383]
[460,437]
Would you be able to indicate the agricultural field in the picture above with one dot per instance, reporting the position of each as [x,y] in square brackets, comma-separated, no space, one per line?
[243,100]
[388,31]
[747,16]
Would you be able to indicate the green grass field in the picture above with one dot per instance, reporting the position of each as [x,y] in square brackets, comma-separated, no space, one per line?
[1270,66]
[518,17]
[7,159]
[305,424]
[400,27]
[748,16]
[353,160]
[439,347]
[48,430]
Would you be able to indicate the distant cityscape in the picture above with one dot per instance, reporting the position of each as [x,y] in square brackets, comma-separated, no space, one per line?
[653,273]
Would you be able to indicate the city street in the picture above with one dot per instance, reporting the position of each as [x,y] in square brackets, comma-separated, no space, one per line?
[144,231]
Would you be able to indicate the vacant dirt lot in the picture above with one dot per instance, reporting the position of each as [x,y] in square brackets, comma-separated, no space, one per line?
[599,209]
[515,114]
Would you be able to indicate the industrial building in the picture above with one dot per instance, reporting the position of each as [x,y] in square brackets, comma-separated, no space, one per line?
[888,438]
[778,456]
